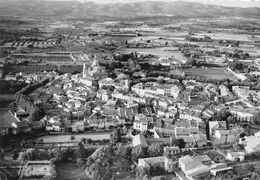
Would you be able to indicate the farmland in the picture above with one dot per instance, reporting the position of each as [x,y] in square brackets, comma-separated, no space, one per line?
[214,73]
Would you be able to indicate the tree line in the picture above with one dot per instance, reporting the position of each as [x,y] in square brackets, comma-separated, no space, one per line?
[22,100]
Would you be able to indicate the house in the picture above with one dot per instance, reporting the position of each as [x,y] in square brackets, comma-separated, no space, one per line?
[189,141]
[167,162]
[141,122]
[107,82]
[224,137]
[102,122]
[153,88]
[103,94]
[148,162]
[243,114]
[236,156]
[241,91]
[171,150]
[192,166]
[139,140]
[251,143]
[215,125]
[225,93]
[200,139]
[78,127]
[38,170]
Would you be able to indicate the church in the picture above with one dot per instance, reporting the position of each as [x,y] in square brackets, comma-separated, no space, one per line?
[93,73]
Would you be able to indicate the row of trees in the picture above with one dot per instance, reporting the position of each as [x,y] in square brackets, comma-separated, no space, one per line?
[11,86]
[22,100]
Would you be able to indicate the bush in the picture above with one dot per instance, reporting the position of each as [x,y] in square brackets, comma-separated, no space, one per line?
[72,138]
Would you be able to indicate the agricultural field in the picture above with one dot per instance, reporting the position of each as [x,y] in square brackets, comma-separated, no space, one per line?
[214,73]
[70,171]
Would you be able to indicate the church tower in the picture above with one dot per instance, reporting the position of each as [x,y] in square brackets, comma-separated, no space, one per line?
[85,70]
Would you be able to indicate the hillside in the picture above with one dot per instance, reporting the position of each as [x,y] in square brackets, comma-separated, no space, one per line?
[77,9]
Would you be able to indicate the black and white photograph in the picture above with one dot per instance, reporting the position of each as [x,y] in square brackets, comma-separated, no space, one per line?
[129,89]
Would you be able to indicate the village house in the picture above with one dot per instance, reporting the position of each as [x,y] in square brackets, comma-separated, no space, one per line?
[168,161]
[148,162]
[78,127]
[235,156]
[193,165]
[154,88]
[104,95]
[224,137]
[139,140]
[251,143]
[38,170]
[225,93]
[102,122]
[142,122]
[216,125]
[241,91]
[105,83]
[242,114]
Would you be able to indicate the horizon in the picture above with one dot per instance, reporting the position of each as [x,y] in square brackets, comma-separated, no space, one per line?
[227,3]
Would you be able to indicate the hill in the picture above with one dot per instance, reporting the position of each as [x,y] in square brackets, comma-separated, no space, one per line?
[31,8]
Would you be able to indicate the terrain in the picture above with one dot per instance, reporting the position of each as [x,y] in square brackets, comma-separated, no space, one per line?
[83,9]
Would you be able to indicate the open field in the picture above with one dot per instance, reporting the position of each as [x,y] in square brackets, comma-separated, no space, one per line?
[70,171]
[158,52]
[214,73]
[78,137]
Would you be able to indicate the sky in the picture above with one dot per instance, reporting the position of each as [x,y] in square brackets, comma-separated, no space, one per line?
[232,3]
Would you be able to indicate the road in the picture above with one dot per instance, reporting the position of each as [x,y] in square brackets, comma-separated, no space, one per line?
[78,137]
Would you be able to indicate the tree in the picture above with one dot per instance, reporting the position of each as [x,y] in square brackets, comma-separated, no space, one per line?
[124,151]
[242,135]
[155,150]
[116,136]
[221,115]
[178,142]
[256,118]
[139,152]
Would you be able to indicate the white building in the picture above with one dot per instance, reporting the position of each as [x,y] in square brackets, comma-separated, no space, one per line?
[141,122]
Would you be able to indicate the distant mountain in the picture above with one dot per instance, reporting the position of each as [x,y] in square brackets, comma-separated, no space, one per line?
[86,9]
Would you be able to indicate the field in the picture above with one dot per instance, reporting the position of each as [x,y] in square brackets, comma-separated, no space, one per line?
[78,137]
[69,171]
[214,73]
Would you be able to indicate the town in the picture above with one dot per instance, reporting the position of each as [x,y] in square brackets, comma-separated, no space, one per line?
[138,98]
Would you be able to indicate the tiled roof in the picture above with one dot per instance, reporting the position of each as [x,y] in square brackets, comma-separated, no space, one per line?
[7,118]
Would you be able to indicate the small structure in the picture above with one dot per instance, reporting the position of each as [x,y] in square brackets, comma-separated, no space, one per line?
[148,162]
[139,140]
[236,156]
[38,170]
[2,157]
[78,127]
[141,122]
[192,166]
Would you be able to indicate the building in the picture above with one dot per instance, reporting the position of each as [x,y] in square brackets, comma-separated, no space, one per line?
[251,144]
[168,162]
[38,170]
[241,91]
[78,127]
[148,162]
[224,137]
[139,140]
[151,89]
[93,73]
[141,122]
[236,156]
[192,166]
[10,123]
[216,125]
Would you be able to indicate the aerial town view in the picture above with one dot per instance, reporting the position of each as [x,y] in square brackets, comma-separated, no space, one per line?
[129,90]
